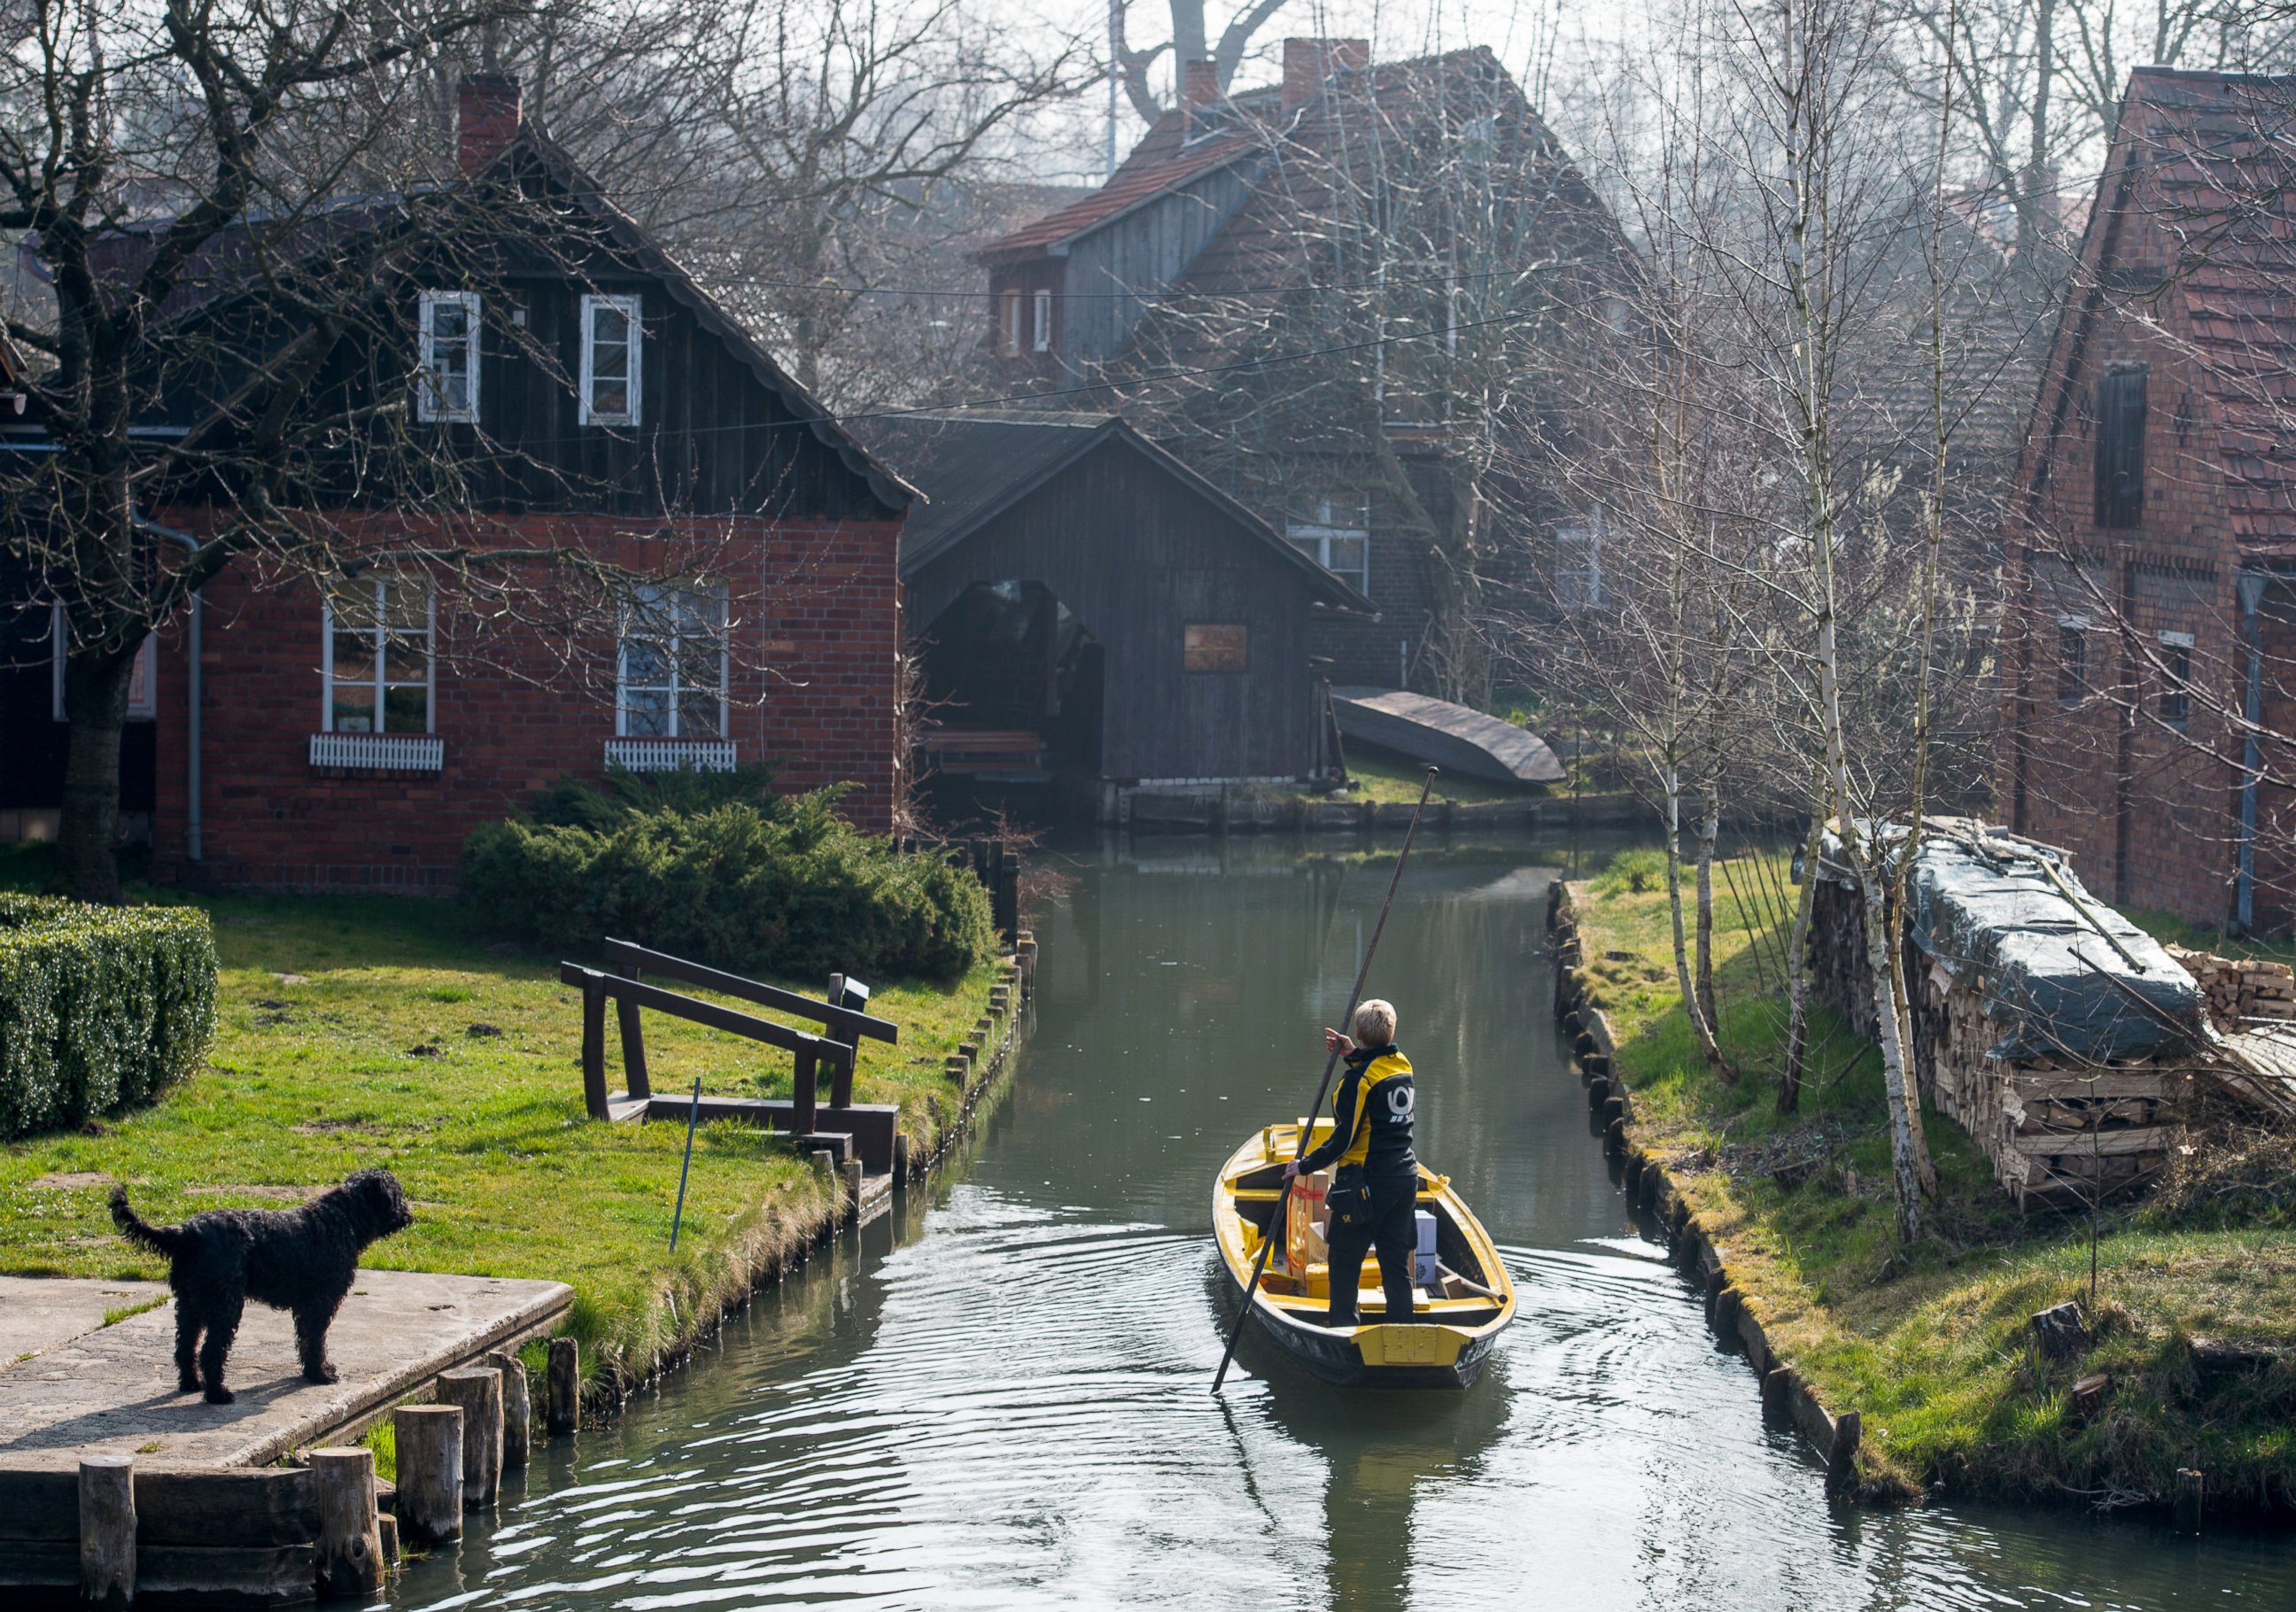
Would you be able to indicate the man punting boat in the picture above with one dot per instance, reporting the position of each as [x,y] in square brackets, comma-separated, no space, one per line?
[1376,1186]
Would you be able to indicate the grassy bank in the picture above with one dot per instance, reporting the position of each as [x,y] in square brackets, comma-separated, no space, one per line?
[372,1031]
[1930,1344]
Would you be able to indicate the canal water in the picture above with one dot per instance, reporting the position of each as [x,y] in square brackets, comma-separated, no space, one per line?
[997,1398]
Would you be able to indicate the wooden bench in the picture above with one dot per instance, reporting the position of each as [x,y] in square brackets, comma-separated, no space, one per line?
[959,748]
[841,1126]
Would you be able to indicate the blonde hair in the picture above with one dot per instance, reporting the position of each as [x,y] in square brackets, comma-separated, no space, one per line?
[1374,1023]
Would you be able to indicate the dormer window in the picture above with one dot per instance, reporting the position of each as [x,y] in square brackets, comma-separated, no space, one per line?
[449,386]
[613,339]
[1042,340]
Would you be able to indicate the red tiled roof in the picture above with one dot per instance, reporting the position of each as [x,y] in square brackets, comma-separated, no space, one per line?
[2217,182]
[1163,161]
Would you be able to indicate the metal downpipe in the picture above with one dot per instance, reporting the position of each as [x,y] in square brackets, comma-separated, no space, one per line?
[192,848]
[2249,587]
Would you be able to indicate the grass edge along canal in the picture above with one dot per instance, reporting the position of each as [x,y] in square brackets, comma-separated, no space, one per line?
[1930,1345]
[358,1031]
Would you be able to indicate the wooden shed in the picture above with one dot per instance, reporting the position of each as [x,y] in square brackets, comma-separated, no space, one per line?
[1091,610]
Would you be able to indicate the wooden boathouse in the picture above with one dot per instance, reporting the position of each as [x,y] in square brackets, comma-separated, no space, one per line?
[1096,616]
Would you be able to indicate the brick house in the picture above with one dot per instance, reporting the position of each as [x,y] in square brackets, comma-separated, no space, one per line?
[2149,648]
[588,398]
[1323,213]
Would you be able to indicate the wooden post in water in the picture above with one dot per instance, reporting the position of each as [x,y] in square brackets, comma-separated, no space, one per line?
[387,1531]
[1841,1461]
[900,1158]
[480,1394]
[429,1441]
[563,1390]
[2189,1485]
[853,1174]
[350,1540]
[518,1409]
[107,1530]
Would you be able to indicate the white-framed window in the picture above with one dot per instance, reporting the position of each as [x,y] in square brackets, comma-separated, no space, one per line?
[142,687]
[1008,325]
[1043,336]
[613,337]
[2177,687]
[377,665]
[1578,563]
[1336,535]
[671,673]
[449,335]
[2072,660]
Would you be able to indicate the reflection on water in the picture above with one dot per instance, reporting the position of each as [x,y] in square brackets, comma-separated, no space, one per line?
[998,1397]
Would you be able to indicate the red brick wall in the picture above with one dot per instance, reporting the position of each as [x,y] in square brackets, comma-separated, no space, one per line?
[2149,812]
[813,685]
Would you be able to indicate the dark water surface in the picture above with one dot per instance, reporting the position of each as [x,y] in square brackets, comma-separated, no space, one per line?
[997,1398]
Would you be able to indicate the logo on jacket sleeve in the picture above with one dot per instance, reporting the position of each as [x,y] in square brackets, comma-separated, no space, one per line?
[1400,1097]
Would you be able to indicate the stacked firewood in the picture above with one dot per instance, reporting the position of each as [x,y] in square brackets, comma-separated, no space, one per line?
[2058,1133]
[2240,990]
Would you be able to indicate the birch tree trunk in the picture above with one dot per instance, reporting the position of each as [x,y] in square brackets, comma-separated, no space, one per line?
[1702,1028]
[1798,960]
[1709,831]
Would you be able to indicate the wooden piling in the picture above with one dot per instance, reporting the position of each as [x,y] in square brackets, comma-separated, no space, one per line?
[480,1394]
[387,1531]
[430,1441]
[107,1530]
[350,1540]
[562,1389]
[900,1158]
[2189,1485]
[518,1409]
[852,1212]
[1841,1461]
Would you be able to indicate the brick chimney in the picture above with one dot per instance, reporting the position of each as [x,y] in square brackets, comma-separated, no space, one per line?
[487,119]
[1307,62]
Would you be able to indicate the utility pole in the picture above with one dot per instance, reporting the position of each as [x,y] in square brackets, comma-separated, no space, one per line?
[1115,49]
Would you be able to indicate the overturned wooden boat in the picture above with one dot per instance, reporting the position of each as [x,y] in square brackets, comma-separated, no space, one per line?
[1460,1315]
[1456,738]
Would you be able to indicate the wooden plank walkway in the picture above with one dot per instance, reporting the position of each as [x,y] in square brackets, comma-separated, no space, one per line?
[71,1386]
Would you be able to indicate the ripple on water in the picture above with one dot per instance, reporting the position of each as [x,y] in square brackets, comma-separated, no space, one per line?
[1010,1408]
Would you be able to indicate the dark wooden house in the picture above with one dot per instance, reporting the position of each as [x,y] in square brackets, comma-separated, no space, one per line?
[1090,609]
[540,377]
[1289,287]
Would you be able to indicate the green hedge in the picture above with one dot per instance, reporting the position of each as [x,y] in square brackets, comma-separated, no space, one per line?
[100,1007]
[787,889]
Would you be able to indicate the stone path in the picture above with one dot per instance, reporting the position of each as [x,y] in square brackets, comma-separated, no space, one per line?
[69,1385]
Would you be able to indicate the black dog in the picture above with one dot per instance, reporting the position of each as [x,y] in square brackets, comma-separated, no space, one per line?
[299,1260]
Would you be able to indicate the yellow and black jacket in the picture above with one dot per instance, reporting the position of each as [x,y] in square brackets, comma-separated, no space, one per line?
[1372,1113]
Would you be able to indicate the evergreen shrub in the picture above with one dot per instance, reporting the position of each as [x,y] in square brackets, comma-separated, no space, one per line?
[776,887]
[100,1008]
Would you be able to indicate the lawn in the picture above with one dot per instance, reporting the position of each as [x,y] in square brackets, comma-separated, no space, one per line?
[361,1031]
[1929,1344]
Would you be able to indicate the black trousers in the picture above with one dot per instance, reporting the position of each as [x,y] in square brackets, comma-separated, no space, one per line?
[1393,1233]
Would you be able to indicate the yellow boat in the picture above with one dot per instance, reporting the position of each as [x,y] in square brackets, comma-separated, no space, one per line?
[1459,1319]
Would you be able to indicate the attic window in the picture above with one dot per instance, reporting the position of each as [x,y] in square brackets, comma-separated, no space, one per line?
[1336,535]
[612,350]
[2120,446]
[449,334]
[1043,337]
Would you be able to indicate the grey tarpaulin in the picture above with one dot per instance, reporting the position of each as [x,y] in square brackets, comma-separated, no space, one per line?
[1986,908]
